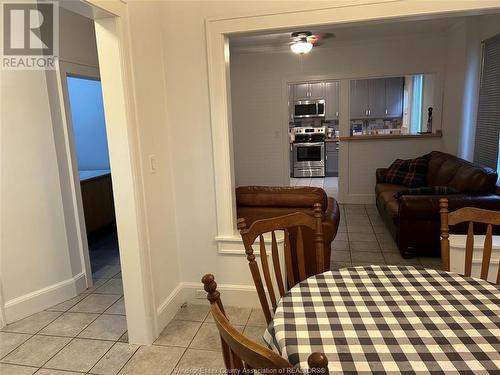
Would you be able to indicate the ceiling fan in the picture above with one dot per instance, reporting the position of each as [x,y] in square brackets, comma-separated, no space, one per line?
[302,42]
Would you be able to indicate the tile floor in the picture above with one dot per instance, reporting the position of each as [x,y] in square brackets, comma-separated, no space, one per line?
[87,334]
[329,184]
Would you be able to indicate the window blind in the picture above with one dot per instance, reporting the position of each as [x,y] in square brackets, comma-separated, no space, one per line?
[488,116]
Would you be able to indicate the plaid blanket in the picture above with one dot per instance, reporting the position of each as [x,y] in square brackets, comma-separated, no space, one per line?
[411,172]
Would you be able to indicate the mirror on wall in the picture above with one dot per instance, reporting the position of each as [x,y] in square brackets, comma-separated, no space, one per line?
[392,105]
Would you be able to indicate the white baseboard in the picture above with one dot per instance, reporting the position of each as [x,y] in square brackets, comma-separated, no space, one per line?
[44,298]
[190,292]
[169,307]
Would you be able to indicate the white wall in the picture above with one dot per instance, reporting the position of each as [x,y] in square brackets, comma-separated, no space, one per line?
[260,126]
[463,68]
[40,262]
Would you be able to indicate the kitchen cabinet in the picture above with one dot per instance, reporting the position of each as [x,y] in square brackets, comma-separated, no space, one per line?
[98,204]
[358,98]
[309,90]
[332,159]
[291,160]
[332,98]
[376,98]
[394,96]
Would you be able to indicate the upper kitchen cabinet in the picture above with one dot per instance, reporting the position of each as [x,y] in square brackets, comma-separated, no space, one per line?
[359,98]
[332,97]
[304,91]
[394,96]
[376,98]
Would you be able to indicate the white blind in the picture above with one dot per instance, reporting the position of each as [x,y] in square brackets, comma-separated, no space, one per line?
[488,117]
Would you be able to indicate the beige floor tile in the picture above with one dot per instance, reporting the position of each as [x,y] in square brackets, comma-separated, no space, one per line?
[366,236]
[389,246]
[124,338]
[342,228]
[379,228]
[340,245]
[178,333]
[196,313]
[106,327]
[97,284]
[236,315]
[117,308]
[114,359]
[355,219]
[357,246]
[107,272]
[341,237]
[257,318]
[255,334]
[33,323]
[66,305]
[431,262]
[118,276]
[79,355]
[208,337]
[6,369]
[9,341]
[69,324]
[112,286]
[359,228]
[37,350]
[153,360]
[47,371]
[368,257]
[340,256]
[384,237]
[95,303]
[194,359]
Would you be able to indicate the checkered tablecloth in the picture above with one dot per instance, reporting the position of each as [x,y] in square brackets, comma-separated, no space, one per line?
[391,320]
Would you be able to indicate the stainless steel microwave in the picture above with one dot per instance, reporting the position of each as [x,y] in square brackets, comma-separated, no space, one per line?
[309,108]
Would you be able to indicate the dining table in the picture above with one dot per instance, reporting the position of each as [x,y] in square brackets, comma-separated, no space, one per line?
[390,320]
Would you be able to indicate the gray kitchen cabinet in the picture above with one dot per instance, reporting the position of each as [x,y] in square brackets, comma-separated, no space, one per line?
[309,90]
[332,159]
[317,90]
[394,96]
[332,98]
[376,98]
[291,160]
[358,102]
[300,91]
[291,107]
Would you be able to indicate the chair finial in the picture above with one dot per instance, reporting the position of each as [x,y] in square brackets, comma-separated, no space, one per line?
[318,363]
[210,287]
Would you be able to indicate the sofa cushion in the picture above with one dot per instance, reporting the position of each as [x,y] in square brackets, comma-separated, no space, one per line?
[385,198]
[427,190]
[380,188]
[411,173]
[448,170]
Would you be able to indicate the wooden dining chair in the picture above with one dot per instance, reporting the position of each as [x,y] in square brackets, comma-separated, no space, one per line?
[471,215]
[297,221]
[242,354]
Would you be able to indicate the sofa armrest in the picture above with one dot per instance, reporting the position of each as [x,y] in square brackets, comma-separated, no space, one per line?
[426,207]
[380,175]
[331,219]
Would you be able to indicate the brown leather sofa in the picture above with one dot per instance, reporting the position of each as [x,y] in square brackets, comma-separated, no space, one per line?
[262,202]
[413,220]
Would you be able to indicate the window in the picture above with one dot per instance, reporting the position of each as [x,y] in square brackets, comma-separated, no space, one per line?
[416,104]
[486,145]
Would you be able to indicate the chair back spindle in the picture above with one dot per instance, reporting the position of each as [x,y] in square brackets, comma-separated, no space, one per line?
[296,221]
[468,215]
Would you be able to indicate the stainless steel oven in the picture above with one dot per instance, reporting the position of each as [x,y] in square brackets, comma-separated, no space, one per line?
[309,108]
[309,159]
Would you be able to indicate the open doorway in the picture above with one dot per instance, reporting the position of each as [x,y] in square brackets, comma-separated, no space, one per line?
[85,113]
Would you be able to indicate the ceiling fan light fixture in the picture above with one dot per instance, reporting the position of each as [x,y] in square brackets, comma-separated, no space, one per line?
[301,47]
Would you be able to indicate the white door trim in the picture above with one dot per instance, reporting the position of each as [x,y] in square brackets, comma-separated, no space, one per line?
[111,26]
[218,31]
[67,68]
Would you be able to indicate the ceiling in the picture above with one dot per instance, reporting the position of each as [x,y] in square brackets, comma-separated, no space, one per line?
[278,41]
